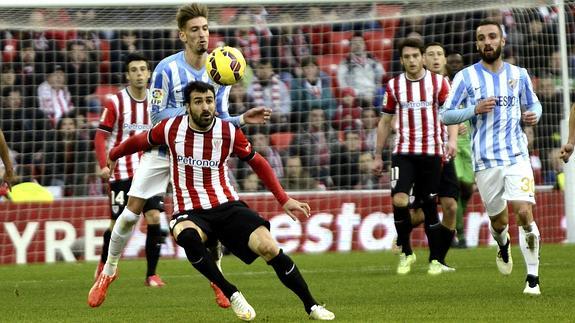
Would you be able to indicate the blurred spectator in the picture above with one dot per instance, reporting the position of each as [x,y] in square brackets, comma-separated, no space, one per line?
[269,91]
[538,43]
[290,46]
[319,34]
[246,38]
[260,140]
[68,160]
[312,90]
[126,42]
[30,70]
[296,178]
[348,113]
[361,71]
[26,130]
[555,175]
[251,183]
[344,161]
[454,64]
[313,143]
[369,121]
[8,77]
[548,130]
[534,155]
[82,74]
[53,95]
[238,99]
[367,181]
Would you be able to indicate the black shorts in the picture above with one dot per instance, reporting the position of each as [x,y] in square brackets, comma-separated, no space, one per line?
[448,184]
[231,223]
[417,172]
[119,198]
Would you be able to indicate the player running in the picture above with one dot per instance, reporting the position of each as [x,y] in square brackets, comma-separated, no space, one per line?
[493,93]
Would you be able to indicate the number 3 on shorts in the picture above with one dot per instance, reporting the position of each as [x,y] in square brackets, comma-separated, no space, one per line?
[528,185]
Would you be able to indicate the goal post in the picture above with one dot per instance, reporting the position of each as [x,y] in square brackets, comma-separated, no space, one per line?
[351,210]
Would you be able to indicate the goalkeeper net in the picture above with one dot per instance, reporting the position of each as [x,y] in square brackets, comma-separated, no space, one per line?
[322,137]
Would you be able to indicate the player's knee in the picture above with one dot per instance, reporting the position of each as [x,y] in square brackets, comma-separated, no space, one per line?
[152,216]
[136,204]
[524,214]
[400,200]
[190,240]
[267,250]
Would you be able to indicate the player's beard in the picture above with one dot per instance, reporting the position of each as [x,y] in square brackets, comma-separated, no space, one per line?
[202,120]
[491,57]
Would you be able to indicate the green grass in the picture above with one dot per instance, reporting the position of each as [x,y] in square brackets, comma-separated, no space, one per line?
[357,287]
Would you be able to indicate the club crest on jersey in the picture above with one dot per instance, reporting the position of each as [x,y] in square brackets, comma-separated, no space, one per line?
[512,83]
[115,209]
[157,96]
[217,144]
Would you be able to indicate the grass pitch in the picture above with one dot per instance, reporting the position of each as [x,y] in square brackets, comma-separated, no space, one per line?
[357,287]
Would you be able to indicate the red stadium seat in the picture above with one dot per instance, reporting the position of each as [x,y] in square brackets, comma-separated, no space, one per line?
[339,42]
[380,46]
[329,64]
[216,40]
[281,140]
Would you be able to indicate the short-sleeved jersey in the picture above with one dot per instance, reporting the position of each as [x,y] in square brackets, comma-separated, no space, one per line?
[198,161]
[124,116]
[170,77]
[416,104]
[496,137]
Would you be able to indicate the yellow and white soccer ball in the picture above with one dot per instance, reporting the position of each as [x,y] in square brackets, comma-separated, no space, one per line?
[226,65]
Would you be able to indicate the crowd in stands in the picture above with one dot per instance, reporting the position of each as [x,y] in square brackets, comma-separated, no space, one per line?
[324,82]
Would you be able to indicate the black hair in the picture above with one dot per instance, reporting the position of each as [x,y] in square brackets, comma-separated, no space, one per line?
[488,22]
[135,56]
[197,86]
[434,43]
[411,42]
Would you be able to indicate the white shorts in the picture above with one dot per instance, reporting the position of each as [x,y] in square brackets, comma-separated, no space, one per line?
[500,184]
[152,176]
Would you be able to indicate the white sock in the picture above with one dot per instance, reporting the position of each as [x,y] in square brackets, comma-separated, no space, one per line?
[120,236]
[531,256]
[500,237]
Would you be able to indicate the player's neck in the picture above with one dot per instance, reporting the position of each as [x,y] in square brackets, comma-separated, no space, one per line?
[195,127]
[493,67]
[139,94]
[194,60]
[416,76]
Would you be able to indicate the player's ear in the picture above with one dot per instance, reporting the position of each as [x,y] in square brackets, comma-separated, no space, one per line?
[182,36]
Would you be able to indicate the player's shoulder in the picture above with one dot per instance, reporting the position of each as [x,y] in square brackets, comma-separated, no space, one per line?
[164,64]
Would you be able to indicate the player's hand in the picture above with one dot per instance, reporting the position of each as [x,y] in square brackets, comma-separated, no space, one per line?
[529,118]
[566,151]
[105,173]
[485,106]
[292,206]
[462,129]
[377,166]
[8,178]
[258,115]
[450,150]
[111,164]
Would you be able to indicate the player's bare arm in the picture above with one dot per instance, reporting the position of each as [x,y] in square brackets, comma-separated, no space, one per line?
[8,169]
[383,129]
[567,149]
[451,145]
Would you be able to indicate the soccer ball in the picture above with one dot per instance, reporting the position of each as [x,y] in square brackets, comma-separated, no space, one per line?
[226,65]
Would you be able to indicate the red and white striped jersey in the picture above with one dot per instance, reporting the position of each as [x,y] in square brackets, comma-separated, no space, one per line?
[417,104]
[198,161]
[124,116]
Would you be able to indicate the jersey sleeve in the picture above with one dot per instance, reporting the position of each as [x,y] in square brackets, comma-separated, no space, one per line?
[457,93]
[527,95]
[389,100]
[108,117]
[242,147]
[157,135]
[160,88]
[222,98]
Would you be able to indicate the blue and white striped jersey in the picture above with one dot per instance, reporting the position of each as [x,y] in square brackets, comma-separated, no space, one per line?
[170,77]
[497,138]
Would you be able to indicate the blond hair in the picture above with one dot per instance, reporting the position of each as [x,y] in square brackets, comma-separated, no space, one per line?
[190,11]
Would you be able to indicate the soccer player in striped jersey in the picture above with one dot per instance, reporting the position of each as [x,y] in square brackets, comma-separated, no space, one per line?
[165,101]
[125,114]
[497,98]
[415,97]
[567,148]
[206,205]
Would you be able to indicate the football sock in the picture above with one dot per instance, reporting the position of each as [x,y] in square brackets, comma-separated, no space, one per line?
[500,237]
[119,238]
[445,238]
[217,253]
[403,228]
[153,247]
[198,255]
[105,246]
[432,228]
[531,256]
[289,274]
